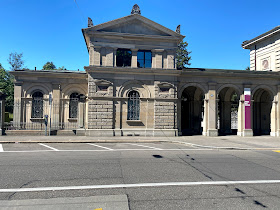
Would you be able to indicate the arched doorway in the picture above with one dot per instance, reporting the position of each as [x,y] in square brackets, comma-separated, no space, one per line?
[262,104]
[192,110]
[227,119]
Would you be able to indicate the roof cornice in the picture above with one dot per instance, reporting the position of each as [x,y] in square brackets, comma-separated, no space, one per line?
[248,43]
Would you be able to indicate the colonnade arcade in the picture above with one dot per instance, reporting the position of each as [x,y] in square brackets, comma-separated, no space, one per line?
[228,111]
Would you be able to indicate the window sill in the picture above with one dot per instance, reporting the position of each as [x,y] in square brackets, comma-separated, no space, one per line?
[133,121]
[72,119]
[36,119]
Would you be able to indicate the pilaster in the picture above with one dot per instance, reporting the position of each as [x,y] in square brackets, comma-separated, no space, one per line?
[96,56]
[134,58]
[157,58]
[212,110]
[170,59]
[56,105]
[109,56]
[17,114]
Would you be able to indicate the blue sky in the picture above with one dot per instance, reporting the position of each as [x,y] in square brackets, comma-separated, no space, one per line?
[50,30]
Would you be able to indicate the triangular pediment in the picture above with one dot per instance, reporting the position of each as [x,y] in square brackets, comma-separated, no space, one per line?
[135,27]
[135,24]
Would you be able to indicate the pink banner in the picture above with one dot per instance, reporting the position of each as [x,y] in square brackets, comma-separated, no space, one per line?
[247,103]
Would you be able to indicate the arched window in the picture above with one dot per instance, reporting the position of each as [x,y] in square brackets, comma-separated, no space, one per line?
[73,105]
[37,105]
[133,112]
[123,57]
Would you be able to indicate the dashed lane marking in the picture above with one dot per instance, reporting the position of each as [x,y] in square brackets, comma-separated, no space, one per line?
[1,148]
[139,145]
[107,148]
[163,184]
[52,148]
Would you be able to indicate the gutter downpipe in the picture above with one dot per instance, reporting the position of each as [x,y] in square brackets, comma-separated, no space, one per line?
[255,57]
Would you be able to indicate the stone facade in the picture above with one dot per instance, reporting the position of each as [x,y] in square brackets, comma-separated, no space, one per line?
[123,98]
[265,51]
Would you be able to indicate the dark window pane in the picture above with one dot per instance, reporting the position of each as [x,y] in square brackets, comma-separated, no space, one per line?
[148,55]
[73,105]
[140,63]
[148,64]
[140,55]
[144,59]
[37,105]
[123,57]
[133,106]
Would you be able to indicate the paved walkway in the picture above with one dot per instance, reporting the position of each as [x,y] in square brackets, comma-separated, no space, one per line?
[221,142]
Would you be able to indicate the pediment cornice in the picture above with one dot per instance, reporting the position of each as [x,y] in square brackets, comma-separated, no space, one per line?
[129,18]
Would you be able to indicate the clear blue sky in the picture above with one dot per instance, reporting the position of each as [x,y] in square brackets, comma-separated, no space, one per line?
[50,30]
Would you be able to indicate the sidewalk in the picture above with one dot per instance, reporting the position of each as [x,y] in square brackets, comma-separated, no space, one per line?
[221,142]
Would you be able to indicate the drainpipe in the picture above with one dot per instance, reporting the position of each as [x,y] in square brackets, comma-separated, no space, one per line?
[255,57]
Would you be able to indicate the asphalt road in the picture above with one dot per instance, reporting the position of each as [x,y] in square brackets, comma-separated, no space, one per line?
[150,175]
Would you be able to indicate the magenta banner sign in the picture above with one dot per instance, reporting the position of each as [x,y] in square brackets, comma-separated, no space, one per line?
[247,104]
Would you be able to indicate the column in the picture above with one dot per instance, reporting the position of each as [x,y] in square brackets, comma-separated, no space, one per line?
[134,58]
[240,116]
[2,112]
[96,56]
[273,125]
[109,56]
[212,110]
[171,59]
[17,114]
[81,112]
[278,112]
[115,56]
[248,131]
[205,116]
[157,58]
[56,105]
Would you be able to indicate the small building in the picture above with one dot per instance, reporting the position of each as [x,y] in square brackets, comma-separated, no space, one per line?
[132,87]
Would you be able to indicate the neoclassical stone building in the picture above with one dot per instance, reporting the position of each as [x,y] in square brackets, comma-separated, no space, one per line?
[132,87]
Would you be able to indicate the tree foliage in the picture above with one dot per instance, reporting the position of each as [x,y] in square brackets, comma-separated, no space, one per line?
[182,55]
[7,87]
[15,60]
[49,66]
[61,68]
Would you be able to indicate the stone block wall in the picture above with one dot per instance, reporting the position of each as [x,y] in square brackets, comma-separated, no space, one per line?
[165,115]
[100,114]
[165,106]
[100,104]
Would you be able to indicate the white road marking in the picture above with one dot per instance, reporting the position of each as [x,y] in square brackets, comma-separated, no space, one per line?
[139,145]
[164,184]
[100,146]
[52,148]
[1,148]
[115,150]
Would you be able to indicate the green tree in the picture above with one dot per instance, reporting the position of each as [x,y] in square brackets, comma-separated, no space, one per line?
[7,87]
[61,68]
[247,68]
[182,55]
[49,66]
[15,60]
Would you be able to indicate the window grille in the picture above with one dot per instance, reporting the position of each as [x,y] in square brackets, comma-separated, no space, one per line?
[73,105]
[133,106]
[37,105]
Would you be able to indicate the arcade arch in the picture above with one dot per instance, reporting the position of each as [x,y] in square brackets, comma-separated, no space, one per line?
[192,110]
[262,104]
[227,111]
